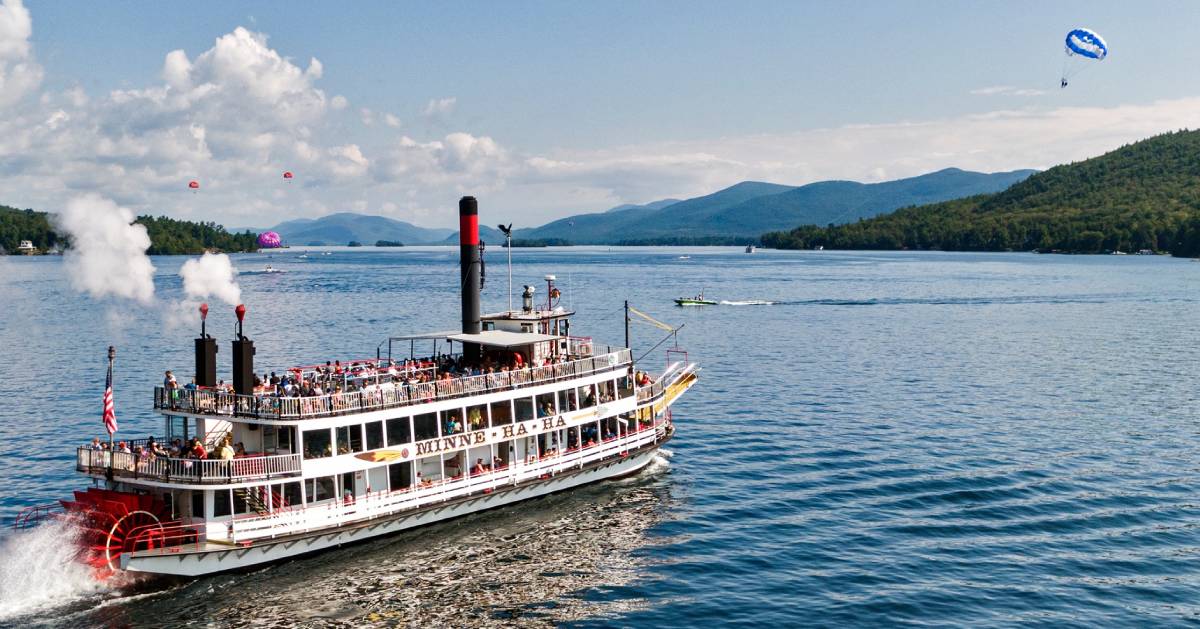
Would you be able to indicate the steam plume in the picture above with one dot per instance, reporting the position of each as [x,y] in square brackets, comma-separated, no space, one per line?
[211,275]
[108,250]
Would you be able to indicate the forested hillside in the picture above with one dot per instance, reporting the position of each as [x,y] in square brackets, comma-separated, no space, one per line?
[1144,195]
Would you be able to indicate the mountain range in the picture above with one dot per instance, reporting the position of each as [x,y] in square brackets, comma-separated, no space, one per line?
[741,212]
[1142,196]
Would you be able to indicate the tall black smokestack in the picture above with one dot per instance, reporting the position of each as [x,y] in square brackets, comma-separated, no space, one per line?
[469,263]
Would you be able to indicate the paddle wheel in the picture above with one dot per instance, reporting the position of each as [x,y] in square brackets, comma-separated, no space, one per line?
[106,519]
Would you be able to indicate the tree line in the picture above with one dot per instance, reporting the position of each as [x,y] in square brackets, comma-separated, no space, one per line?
[168,236]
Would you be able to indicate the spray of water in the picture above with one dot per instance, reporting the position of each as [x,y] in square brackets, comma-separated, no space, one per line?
[40,570]
[107,256]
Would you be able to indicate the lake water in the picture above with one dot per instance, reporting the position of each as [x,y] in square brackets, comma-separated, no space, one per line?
[897,438]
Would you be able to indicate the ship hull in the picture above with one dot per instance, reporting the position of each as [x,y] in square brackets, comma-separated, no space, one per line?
[212,560]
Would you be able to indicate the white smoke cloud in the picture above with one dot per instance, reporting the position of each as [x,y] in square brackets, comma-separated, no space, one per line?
[211,275]
[107,256]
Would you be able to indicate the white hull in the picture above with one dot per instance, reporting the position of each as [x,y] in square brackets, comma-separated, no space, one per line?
[210,560]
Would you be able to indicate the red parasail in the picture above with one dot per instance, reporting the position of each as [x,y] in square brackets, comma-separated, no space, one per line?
[287,174]
[194,185]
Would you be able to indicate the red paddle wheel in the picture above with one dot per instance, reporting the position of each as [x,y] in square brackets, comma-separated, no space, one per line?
[106,518]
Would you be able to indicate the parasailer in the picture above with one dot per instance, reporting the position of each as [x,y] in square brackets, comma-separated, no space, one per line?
[269,240]
[194,185]
[1084,47]
[288,176]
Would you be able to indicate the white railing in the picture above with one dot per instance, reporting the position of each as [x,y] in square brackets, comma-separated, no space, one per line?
[375,397]
[186,471]
[332,513]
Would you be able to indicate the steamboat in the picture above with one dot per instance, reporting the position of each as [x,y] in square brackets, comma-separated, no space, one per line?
[512,408]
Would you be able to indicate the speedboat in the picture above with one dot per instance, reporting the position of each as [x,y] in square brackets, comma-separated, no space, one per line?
[698,300]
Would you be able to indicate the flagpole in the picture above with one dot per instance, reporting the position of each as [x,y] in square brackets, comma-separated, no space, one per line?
[112,355]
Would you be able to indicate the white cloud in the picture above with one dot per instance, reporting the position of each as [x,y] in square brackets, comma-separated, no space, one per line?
[439,106]
[367,116]
[1006,90]
[338,102]
[391,120]
[20,74]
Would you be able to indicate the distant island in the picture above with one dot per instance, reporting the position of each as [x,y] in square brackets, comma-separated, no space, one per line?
[1142,196]
[388,243]
[168,236]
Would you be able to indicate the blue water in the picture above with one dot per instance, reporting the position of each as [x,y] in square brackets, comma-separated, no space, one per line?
[897,439]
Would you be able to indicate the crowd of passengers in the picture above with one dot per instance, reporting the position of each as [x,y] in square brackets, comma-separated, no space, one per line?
[192,448]
[333,377]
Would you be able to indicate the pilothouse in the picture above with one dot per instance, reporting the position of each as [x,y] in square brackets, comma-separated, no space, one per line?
[510,407]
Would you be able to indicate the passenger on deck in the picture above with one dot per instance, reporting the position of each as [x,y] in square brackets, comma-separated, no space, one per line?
[478,469]
[96,444]
[123,447]
[225,452]
[497,463]
[197,450]
[239,449]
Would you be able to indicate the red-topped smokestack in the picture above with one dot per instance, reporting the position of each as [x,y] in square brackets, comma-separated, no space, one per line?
[470,262]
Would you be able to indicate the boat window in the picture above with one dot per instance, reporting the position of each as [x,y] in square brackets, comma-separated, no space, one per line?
[477,417]
[317,444]
[220,503]
[197,504]
[398,431]
[606,391]
[285,436]
[400,476]
[586,396]
[349,439]
[572,438]
[524,407]
[452,423]
[545,405]
[287,495]
[425,426]
[625,386]
[241,500]
[566,400]
[374,435]
[608,430]
[501,413]
[318,489]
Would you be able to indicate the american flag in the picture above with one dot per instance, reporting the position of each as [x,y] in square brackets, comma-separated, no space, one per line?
[110,414]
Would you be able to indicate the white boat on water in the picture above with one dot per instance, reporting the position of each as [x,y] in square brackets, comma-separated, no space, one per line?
[750,248]
[511,407]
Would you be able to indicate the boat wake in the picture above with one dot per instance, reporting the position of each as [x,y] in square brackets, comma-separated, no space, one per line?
[40,571]
[749,302]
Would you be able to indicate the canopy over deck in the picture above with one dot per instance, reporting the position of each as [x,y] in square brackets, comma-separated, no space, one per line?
[502,338]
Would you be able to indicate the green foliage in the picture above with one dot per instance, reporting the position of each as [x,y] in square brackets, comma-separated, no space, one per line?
[167,236]
[540,242]
[174,237]
[17,225]
[1142,196]
[388,243]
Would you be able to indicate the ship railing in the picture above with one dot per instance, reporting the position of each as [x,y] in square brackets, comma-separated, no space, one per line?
[186,471]
[332,513]
[375,397]
[165,538]
[33,515]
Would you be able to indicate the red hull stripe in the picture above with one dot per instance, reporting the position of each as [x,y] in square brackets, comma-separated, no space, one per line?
[468,229]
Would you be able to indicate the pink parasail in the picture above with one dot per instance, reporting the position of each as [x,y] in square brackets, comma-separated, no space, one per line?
[287,175]
[194,185]
[269,240]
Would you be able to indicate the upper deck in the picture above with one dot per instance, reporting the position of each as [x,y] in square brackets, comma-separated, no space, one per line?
[385,388]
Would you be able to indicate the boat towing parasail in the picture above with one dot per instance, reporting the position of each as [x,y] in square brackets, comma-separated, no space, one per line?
[511,407]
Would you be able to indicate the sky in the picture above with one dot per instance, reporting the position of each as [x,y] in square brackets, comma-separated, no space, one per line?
[546,109]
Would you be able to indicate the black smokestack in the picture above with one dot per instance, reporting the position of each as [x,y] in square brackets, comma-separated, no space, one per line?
[243,358]
[469,265]
[206,354]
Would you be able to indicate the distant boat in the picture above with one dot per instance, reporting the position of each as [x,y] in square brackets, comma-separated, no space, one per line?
[1118,252]
[26,248]
[685,257]
[271,269]
[698,300]
[819,248]
[749,248]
